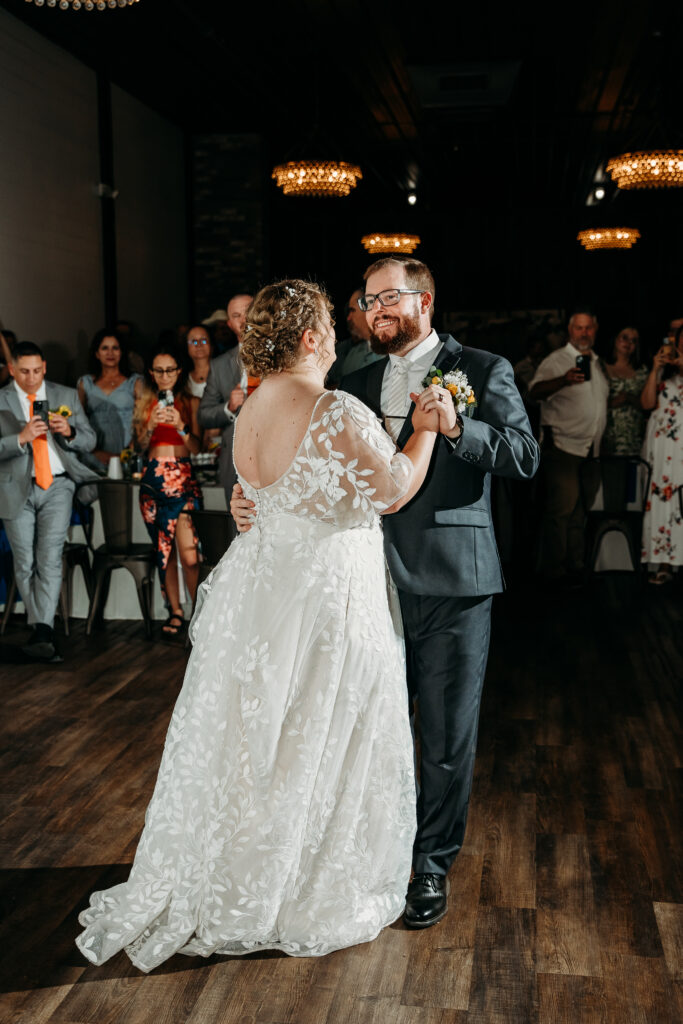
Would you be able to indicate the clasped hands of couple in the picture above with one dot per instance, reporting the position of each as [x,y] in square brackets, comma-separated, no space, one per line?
[434,412]
[37,427]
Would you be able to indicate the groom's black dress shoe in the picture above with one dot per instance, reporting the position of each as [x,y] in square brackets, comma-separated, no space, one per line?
[426,901]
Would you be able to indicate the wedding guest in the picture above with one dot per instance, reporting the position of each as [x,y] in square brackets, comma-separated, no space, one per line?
[663,450]
[39,457]
[627,375]
[162,422]
[226,389]
[572,389]
[354,352]
[200,351]
[108,394]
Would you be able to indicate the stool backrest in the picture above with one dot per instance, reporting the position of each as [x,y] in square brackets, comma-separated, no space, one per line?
[116,509]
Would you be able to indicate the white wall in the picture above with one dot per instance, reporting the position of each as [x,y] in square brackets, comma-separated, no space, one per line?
[50,259]
[151,245]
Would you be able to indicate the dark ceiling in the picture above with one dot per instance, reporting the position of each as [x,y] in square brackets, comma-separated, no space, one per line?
[500,120]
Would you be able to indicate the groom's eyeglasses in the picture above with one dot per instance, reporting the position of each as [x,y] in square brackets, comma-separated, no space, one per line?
[389,297]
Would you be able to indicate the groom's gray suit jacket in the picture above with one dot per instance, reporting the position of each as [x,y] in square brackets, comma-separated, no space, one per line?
[442,542]
[16,465]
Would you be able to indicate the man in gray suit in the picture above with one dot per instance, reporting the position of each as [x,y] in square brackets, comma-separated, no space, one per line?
[226,389]
[39,470]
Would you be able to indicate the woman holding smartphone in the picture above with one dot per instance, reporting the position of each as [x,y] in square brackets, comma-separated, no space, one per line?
[166,429]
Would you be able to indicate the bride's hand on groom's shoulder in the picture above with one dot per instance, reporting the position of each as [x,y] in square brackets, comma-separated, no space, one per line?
[241,510]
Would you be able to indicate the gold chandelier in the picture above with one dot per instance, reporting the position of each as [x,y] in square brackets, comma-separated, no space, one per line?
[648,168]
[316,178]
[608,238]
[390,243]
[87,5]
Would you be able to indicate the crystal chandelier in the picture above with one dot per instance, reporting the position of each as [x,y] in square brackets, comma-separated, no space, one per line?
[608,238]
[648,168]
[316,177]
[390,243]
[87,5]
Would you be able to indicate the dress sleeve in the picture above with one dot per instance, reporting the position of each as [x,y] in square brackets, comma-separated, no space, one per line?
[368,470]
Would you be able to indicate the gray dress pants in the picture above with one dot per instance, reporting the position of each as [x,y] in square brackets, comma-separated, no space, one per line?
[36,537]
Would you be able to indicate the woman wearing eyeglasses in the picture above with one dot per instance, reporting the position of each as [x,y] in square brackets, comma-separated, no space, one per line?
[165,429]
[200,352]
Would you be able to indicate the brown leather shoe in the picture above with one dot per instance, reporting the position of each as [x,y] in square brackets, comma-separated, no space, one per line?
[426,901]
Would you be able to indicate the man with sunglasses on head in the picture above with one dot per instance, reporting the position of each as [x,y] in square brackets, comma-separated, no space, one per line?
[440,547]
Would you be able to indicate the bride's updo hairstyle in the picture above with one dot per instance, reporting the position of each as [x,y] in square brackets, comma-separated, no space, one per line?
[276,319]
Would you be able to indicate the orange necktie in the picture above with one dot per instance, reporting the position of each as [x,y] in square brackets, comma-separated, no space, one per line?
[41,457]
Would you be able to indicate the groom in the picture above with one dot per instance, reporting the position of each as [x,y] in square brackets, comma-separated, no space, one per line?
[440,547]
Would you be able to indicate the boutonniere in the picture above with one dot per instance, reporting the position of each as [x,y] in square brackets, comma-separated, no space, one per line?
[457,383]
[63,410]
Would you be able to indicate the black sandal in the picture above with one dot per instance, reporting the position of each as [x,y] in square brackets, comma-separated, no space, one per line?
[174,628]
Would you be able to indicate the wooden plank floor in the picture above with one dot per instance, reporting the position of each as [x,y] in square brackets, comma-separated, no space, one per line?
[566,901]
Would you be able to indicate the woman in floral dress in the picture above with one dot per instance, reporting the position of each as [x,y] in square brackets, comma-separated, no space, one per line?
[166,429]
[627,376]
[663,449]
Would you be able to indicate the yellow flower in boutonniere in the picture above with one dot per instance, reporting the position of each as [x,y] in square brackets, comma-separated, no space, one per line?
[63,410]
[456,382]
[126,454]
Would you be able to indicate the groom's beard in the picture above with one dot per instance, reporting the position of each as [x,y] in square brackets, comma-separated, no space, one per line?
[408,331]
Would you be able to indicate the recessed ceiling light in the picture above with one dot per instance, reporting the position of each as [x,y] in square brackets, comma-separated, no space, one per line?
[412,198]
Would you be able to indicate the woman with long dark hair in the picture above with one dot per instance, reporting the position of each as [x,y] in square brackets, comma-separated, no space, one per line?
[108,393]
[164,430]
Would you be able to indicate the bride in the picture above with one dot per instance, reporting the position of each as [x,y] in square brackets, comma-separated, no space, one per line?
[284,810]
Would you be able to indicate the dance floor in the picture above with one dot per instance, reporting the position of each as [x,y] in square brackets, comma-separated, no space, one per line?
[566,902]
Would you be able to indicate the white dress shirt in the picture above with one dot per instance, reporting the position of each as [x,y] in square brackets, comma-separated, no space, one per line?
[56,464]
[402,375]
[577,413]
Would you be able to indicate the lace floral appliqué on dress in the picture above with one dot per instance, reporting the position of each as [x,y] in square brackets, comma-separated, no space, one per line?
[283,814]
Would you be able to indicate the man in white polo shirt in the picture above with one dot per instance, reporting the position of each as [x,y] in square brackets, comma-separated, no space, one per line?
[572,390]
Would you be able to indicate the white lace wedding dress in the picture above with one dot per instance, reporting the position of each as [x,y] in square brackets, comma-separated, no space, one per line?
[283,815]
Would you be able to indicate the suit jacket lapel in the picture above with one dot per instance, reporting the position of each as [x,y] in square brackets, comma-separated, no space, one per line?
[448,359]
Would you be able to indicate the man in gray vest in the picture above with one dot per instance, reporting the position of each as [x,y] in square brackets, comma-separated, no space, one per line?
[39,470]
